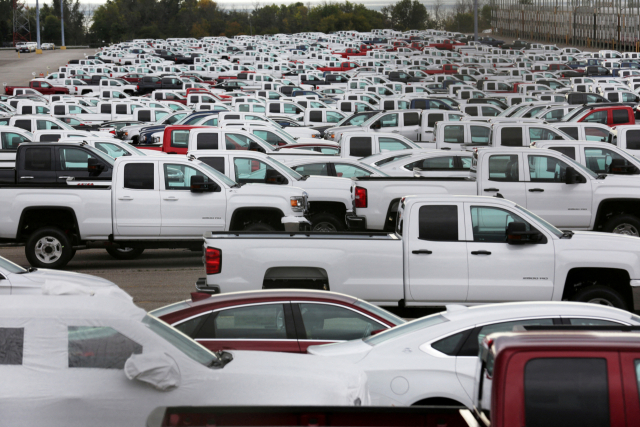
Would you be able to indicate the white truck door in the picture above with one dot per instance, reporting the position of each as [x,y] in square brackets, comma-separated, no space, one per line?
[187,214]
[437,253]
[499,271]
[548,195]
[137,200]
[503,174]
[410,125]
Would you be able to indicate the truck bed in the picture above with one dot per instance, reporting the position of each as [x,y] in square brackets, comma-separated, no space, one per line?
[365,265]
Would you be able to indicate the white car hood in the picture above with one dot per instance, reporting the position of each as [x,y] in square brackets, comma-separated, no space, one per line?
[350,351]
[338,383]
[31,283]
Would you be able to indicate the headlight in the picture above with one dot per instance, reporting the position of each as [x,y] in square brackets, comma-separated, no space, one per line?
[298,203]
[126,133]
[332,135]
[156,139]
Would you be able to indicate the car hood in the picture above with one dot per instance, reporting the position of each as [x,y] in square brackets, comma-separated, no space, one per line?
[349,351]
[326,183]
[297,379]
[29,283]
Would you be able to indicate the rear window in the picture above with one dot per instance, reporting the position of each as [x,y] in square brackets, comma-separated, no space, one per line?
[560,392]
[633,139]
[620,116]
[360,147]
[207,141]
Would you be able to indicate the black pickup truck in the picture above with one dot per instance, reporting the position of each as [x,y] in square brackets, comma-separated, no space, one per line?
[402,77]
[52,163]
[150,83]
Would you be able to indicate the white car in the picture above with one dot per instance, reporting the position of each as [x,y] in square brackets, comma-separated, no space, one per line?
[15,280]
[432,360]
[48,46]
[332,166]
[115,365]
[431,164]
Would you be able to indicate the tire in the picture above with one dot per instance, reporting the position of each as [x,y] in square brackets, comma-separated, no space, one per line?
[48,247]
[628,225]
[326,223]
[259,226]
[125,253]
[602,295]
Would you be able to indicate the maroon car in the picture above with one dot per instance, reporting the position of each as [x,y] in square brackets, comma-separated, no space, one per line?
[288,320]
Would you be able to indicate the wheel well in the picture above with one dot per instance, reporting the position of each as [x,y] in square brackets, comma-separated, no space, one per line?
[296,277]
[437,401]
[611,207]
[244,216]
[37,217]
[617,279]
[392,217]
[335,208]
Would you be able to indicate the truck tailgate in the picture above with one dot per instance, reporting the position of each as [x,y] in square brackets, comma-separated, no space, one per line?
[383,193]
[365,265]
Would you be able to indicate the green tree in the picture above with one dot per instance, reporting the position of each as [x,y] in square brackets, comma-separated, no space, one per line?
[409,15]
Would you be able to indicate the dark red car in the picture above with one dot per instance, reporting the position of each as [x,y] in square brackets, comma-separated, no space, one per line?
[288,320]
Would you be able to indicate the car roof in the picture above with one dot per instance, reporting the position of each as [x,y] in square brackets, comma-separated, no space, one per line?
[270,294]
[573,340]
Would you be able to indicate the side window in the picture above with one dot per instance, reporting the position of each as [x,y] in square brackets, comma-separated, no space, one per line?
[74,159]
[438,223]
[315,116]
[480,135]
[139,176]
[333,117]
[10,140]
[596,134]
[546,169]
[633,139]
[313,169]
[504,168]
[99,347]
[572,131]
[490,224]
[111,150]
[180,138]
[411,119]
[12,344]
[388,105]
[454,134]
[38,159]
[490,112]
[472,111]
[576,381]
[215,162]
[206,141]
[58,110]
[350,171]
[105,108]
[274,108]
[234,141]
[392,144]
[433,118]
[511,137]
[599,159]
[26,124]
[620,116]
[270,137]
[264,321]
[567,151]
[390,120]
[553,116]
[360,146]
[121,109]
[542,134]
[592,322]
[178,177]
[256,171]
[144,115]
[597,117]
[324,322]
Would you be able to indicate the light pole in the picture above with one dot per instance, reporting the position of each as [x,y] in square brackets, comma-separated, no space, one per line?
[62,23]
[38,49]
[475,20]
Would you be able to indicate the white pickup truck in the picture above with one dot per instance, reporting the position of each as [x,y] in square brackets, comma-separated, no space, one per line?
[548,183]
[151,202]
[445,249]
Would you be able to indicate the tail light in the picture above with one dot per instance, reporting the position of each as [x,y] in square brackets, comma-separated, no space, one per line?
[113,132]
[361,197]
[213,260]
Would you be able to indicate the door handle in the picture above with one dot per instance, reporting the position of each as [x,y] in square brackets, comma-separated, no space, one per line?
[170,199]
[422,251]
[395,131]
[536,190]
[491,189]
[480,253]
[125,198]
[26,177]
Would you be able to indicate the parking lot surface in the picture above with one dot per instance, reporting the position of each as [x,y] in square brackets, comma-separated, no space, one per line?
[16,69]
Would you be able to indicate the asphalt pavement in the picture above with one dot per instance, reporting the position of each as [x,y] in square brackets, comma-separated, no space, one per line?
[15,70]
[158,277]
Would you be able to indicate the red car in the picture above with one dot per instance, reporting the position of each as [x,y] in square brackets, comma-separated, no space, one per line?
[287,320]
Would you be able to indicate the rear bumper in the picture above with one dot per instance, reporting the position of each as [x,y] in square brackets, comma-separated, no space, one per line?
[355,222]
[201,286]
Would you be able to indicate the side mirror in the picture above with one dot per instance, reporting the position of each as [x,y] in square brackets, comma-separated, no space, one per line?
[157,369]
[94,167]
[298,111]
[571,176]
[199,185]
[376,125]
[517,234]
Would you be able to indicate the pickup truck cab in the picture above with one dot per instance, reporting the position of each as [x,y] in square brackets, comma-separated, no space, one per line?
[330,199]
[585,130]
[403,122]
[151,202]
[610,115]
[40,85]
[466,242]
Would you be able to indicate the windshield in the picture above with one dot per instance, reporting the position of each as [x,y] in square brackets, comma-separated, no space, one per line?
[5,264]
[574,113]
[380,312]
[356,119]
[405,329]
[228,181]
[110,160]
[180,341]
[544,223]
[287,169]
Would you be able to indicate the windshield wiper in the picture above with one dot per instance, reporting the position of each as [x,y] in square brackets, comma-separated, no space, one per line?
[222,359]
[601,176]
[28,270]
